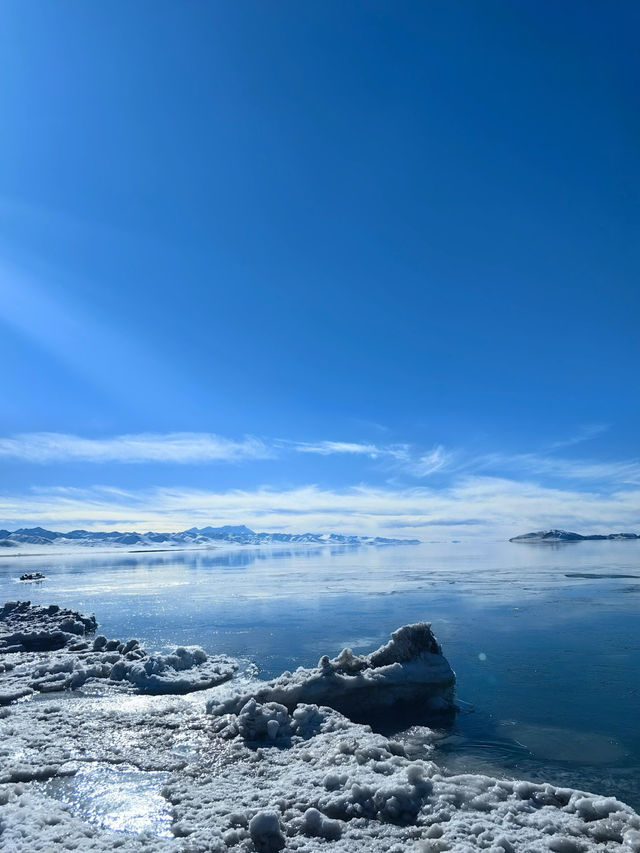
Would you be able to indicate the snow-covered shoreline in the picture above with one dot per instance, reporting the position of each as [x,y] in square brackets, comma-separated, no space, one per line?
[257,766]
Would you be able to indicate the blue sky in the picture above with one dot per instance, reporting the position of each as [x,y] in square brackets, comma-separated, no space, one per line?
[349,265]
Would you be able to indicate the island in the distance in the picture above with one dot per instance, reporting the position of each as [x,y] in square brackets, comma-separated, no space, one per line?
[203,536]
[567,536]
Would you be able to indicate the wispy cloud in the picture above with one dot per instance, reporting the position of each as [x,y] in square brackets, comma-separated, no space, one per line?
[397,457]
[615,473]
[192,447]
[329,448]
[428,463]
[398,463]
[175,447]
[585,433]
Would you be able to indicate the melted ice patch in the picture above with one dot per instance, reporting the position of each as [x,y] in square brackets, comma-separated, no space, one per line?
[122,799]
[560,744]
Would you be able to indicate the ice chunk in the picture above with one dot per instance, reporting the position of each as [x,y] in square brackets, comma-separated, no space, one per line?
[182,671]
[409,668]
[266,832]
[319,825]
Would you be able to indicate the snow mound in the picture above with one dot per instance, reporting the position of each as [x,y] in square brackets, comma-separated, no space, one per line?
[271,723]
[71,660]
[266,832]
[32,628]
[182,671]
[410,668]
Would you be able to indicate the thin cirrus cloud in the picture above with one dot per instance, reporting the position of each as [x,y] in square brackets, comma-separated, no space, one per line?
[352,448]
[616,472]
[585,433]
[196,447]
[176,447]
[397,457]
[425,464]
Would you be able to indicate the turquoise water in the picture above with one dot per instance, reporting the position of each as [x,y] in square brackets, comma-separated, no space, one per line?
[545,640]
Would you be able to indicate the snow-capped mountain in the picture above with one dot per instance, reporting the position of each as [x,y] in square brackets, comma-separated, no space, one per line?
[234,534]
[567,536]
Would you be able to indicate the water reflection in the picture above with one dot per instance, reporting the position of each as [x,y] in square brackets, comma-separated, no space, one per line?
[83,560]
[122,798]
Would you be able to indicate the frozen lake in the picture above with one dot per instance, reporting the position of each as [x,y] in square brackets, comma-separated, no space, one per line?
[545,639]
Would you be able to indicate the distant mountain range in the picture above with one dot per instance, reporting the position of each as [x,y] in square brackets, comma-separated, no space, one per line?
[567,536]
[234,534]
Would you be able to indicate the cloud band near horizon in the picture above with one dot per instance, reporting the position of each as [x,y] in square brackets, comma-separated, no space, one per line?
[484,506]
